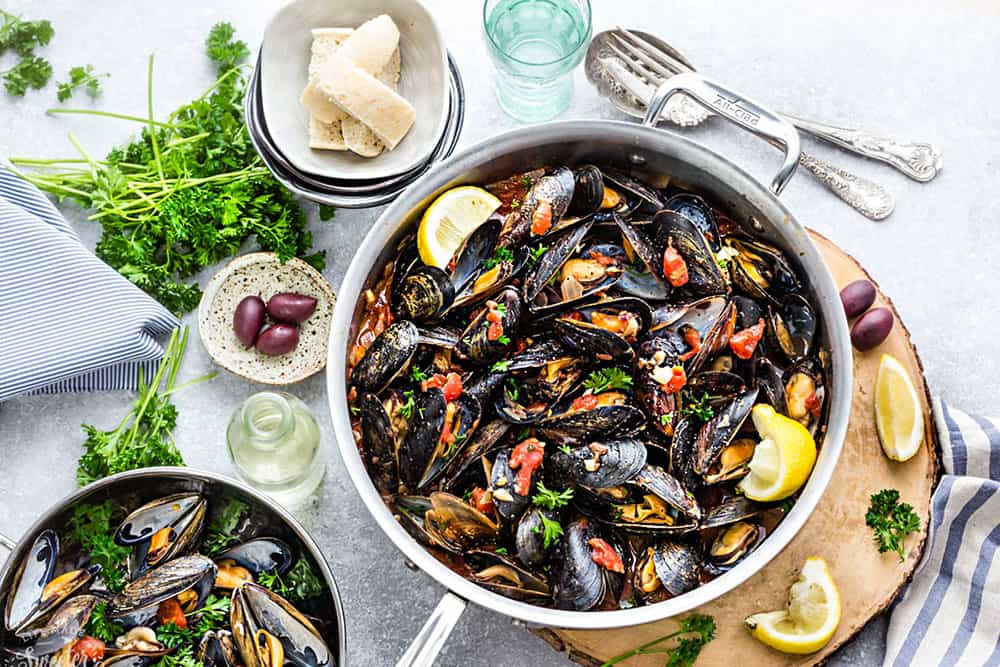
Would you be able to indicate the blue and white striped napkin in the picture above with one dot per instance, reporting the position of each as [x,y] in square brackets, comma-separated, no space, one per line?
[950,613]
[68,321]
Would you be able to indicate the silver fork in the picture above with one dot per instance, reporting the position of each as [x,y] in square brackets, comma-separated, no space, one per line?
[867,197]
[919,160]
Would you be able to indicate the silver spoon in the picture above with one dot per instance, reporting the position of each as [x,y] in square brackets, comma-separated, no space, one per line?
[629,83]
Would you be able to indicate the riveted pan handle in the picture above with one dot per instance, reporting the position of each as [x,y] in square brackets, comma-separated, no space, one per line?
[736,108]
[431,638]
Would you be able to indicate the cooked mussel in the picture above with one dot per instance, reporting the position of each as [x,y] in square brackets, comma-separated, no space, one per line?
[588,192]
[720,430]
[579,582]
[599,464]
[697,210]
[499,573]
[606,329]
[605,415]
[423,295]
[762,271]
[734,542]
[793,326]
[671,230]
[246,561]
[658,378]
[387,356]
[383,429]
[731,510]
[497,273]
[161,529]
[456,524]
[64,626]
[672,565]
[544,204]
[529,538]
[489,334]
[269,632]
[194,573]
[217,649]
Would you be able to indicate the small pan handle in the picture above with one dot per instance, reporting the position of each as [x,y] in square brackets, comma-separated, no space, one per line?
[431,638]
[736,108]
[8,544]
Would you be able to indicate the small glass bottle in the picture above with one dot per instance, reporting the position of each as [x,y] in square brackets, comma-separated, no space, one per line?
[274,442]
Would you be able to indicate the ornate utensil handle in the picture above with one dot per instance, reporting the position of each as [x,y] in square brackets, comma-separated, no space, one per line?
[919,160]
[866,197]
[735,108]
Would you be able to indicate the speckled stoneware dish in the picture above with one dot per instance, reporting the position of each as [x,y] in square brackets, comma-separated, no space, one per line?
[262,274]
[284,72]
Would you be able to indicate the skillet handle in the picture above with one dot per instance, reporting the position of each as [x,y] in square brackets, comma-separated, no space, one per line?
[7,543]
[431,638]
[736,108]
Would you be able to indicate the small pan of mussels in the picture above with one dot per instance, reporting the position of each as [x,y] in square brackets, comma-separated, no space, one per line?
[555,424]
[168,566]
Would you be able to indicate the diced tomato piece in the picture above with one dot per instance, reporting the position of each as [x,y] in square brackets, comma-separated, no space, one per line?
[494,331]
[452,387]
[435,381]
[605,555]
[541,219]
[87,648]
[602,259]
[675,269]
[482,500]
[170,611]
[678,378]
[586,402]
[525,459]
[813,404]
[743,343]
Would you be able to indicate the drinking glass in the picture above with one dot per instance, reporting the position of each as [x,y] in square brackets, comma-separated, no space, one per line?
[535,44]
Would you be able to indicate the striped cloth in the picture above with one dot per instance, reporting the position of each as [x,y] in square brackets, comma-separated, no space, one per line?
[950,613]
[70,322]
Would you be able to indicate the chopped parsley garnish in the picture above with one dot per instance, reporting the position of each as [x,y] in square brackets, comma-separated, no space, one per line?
[565,449]
[80,77]
[406,409]
[666,418]
[502,254]
[417,375]
[513,391]
[724,256]
[526,179]
[502,551]
[501,309]
[550,499]
[551,530]
[503,339]
[700,408]
[608,378]
[536,254]
[891,521]
[500,366]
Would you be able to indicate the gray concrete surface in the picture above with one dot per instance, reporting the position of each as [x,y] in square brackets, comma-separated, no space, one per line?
[920,69]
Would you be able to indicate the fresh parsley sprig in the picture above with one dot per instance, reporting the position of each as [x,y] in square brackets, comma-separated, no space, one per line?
[101,626]
[222,530]
[891,521]
[299,584]
[502,254]
[550,499]
[700,408]
[608,378]
[23,37]
[551,530]
[694,633]
[83,76]
[92,526]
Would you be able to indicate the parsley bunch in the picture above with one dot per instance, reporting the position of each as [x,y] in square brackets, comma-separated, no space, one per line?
[186,193]
[93,528]
[143,438]
[891,521]
[695,631]
[300,583]
[22,37]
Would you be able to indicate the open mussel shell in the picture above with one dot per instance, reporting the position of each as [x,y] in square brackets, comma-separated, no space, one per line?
[761,271]
[720,430]
[705,278]
[33,574]
[488,282]
[656,356]
[507,497]
[718,387]
[465,467]
[500,574]
[461,418]
[417,448]
[547,199]
[424,295]
[579,583]
[605,330]
[64,626]
[682,449]
[642,278]
[387,356]
[658,481]
[792,326]
[529,538]
[697,210]
[475,249]
[162,529]
[258,617]
[164,582]
[804,392]
[218,649]
[456,524]
[382,429]
[673,565]
[608,420]
[476,343]
[733,462]
[598,464]
[588,193]
[548,266]
[731,510]
[624,182]
[410,512]
[710,321]
[260,555]
[734,542]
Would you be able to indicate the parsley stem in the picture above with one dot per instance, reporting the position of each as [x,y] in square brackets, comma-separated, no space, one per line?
[641,650]
[119,116]
[157,160]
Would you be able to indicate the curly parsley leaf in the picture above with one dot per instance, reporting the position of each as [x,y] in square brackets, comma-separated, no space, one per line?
[299,584]
[700,408]
[223,49]
[551,530]
[502,254]
[222,530]
[101,626]
[85,77]
[608,378]
[550,499]
[92,526]
[29,72]
[500,366]
[891,521]
[694,633]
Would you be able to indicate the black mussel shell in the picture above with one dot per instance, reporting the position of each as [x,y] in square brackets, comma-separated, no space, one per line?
[589,190]
[697,210]
[720,430]
[578,582]
[387,357]
[501,574]
[659,482]
[475,343]
[503,485]
[705,278]
[490,281]
[737,508]
[793,326]
[574,427]
[554,190]
[380,439]
[530,536]
[762,271]
[417,448]
[677,564]
[477,248]
[465,419]
[560,250]
[598,465]
[423,295]
[623,181]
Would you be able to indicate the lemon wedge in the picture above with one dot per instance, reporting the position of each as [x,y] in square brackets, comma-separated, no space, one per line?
[449,220]
[898,414]
[783,459]
[810,619]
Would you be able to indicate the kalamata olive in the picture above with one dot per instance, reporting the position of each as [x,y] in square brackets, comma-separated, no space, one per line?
[857,297]
[871,328]
[248,319]
[278,339]
[290,307]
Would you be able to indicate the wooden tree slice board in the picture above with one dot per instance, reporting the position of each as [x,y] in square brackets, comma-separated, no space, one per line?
[868,581]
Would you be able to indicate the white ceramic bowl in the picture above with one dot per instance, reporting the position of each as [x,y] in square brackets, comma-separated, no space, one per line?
[284,73]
